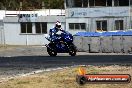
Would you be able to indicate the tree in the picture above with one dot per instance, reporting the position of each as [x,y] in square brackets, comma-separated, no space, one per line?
[9,4]
[36,4]
[54,4]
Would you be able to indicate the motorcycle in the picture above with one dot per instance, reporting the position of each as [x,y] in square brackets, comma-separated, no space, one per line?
[61,43]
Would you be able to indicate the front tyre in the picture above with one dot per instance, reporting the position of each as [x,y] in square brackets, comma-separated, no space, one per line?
[51,52]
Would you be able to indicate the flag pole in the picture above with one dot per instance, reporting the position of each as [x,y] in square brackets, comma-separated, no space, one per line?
[130,13]
[49,7]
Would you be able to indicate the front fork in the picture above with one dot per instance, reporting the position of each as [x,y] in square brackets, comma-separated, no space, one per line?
[47,45]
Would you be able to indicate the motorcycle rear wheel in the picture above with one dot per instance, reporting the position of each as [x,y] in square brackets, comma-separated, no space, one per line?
[72,50]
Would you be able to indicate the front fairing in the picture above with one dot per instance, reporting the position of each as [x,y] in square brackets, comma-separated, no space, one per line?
[61,47]
[68,38]
[61,42]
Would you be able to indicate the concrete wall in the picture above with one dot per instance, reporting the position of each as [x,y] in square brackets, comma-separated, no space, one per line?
[91,23]
[50,18]
[95,44]
[86,44]
[127,43]
[76,20]
[13,36]
[91,15]
[2,14]
[41,12]
[106,44]
[109,44]
[1,35]
[37,19]
[78,42]
[98,12]
[117,44]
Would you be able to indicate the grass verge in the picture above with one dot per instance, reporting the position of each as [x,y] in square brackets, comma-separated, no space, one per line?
[66,78]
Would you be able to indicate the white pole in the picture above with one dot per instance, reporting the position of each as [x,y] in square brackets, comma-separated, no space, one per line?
[94,3]
[3,34]
[65,4]
[106,3]
[4,31]
[88,3]
[82,3]
[49,7]
[112,3]
[130,13]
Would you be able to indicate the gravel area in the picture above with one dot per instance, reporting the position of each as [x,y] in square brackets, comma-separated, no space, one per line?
[9,51]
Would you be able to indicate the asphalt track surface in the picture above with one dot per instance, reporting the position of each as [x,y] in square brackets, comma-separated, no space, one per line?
[61,61]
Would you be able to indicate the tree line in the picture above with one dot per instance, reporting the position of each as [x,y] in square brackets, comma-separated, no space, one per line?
[31,4]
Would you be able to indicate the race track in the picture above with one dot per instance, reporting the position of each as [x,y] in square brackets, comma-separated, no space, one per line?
[16,61]
[58,61]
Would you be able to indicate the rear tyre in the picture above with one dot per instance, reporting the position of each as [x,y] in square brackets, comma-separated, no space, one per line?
[72,50]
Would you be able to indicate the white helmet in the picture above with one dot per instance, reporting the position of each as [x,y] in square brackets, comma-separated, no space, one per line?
[58,24]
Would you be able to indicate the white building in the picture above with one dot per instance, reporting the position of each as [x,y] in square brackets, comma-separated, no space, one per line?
[101,15]
[29,27]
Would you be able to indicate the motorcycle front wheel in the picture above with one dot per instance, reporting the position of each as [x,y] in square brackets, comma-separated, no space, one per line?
[51,52]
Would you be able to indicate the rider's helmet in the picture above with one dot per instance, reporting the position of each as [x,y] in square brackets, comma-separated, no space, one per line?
[58,24]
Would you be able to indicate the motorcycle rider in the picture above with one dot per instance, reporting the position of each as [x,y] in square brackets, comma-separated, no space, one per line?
[53,31]
[60,43]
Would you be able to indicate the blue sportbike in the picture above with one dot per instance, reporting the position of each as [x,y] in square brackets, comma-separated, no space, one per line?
[61,43]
